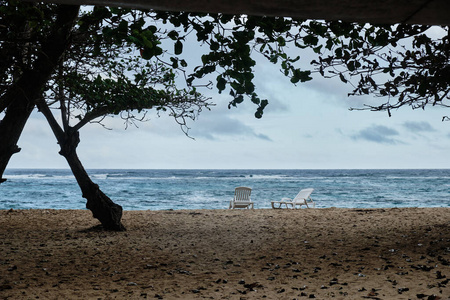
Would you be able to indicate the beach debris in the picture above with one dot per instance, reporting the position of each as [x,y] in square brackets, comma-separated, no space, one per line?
[422,267]
[335,264]
[12,268]
[131,284]
[5,287]
[402,289]
[372,295]
[402,273]
[181,271]
[197,290]
[443,283]
[150,267]
[195,213]
[428,297]
[443,261]
[252,286]
[394,282]
[334,281]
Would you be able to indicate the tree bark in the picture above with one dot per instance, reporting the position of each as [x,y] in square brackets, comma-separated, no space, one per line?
[11,128]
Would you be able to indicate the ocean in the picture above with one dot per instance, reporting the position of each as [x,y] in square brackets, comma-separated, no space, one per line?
[213,189]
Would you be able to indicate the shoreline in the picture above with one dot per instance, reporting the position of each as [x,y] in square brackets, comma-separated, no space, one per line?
[340,253]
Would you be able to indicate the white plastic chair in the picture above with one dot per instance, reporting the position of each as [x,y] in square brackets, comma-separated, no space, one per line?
[302,198]
[241,198]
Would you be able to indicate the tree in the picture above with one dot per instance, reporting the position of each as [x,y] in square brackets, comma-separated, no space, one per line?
[86,80]
[24,71]
[415,74]
[117,61]
[401,63]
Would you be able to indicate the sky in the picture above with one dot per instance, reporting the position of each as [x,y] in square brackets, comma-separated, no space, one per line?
[307,126]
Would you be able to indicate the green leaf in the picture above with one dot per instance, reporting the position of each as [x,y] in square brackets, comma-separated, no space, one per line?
[214,46]
[221,83]
[174,62]
[178,47]
[310,40]
[147,53]
[351,65]
[146,42]
[173,35]
[239,99]
[317,49]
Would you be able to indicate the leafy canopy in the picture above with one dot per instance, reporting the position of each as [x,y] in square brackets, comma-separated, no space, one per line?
[119,61]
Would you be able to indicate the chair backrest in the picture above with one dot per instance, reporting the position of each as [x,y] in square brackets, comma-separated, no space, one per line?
[242,194]
[303,194]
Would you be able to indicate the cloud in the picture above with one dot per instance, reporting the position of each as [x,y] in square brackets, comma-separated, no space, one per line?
[222,125]
[378,134]
[418,127]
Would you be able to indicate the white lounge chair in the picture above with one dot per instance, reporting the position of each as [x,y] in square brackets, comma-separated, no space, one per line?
[241,198]
[302,198]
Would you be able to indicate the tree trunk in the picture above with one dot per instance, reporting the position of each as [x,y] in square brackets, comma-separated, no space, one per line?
[11,128]
[103,208]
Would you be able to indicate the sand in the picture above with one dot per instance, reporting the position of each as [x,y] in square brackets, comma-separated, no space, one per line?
[399,253]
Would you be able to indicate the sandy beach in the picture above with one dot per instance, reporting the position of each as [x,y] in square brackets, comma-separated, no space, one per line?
[398,253]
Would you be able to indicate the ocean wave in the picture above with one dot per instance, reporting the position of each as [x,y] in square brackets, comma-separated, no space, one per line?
[38,177]
[211,189]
